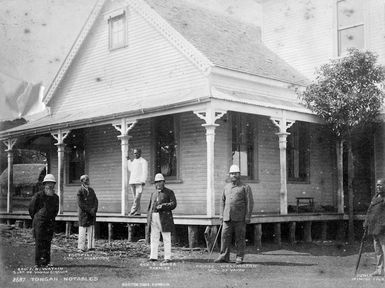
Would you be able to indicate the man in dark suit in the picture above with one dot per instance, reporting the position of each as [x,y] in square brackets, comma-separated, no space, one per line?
[43,209]
[235,211]
[160,219]
[87,208]
[375,223]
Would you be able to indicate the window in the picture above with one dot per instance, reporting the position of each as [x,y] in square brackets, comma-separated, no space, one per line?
[166,146]
[243,144]
[298,152]
[117,31]
[350,19]
[75,156]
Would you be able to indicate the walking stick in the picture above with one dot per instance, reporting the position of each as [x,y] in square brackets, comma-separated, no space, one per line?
[360,252]
[215,241]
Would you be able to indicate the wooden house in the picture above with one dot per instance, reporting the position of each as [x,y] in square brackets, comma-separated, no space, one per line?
[307,34]
[197,92]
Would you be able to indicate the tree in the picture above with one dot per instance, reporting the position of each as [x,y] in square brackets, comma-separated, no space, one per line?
[346,94]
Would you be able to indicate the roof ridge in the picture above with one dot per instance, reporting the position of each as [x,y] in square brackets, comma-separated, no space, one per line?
[173,35]
[213,12]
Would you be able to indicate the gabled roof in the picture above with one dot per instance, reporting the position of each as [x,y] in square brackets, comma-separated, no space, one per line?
[218,41]
[226,42]
[23,174]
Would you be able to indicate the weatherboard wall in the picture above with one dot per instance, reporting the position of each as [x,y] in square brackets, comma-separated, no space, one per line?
[150,71]
[304,33]
[104,166]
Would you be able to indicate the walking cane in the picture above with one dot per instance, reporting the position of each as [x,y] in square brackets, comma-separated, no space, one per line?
[360,252]
[215,241]
[363,238]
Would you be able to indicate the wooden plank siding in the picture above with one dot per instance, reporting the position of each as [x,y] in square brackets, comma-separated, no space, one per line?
[103,164]
[266,186]
[300,32]
[379,152]
[149,70]
[375,28]
[304,33]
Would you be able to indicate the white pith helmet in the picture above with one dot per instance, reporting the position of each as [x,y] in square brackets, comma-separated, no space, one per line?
[49,178]
[159,177]
[234,169]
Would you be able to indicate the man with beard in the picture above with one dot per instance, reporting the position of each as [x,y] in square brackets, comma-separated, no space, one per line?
[375,223]
[43,209]
[87,208]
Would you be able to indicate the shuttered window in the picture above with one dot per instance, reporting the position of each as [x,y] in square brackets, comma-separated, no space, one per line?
[117,31]
[298,152]
[243,143]
[166,146]
[75,156]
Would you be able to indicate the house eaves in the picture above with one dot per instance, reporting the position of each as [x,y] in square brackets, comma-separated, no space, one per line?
[73,51]
[225,41]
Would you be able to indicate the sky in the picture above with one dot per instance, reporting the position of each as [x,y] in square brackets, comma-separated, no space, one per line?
[36,35]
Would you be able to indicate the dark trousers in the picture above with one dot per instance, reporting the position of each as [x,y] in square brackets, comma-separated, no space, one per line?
[239,229]
[42,252]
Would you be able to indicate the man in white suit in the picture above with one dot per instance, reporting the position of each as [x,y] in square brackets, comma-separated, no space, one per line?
[138,169]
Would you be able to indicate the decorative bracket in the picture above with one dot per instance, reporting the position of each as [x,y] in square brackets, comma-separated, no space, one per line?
[282,123]
[10,143]
[60,136]
[124,126]
[210,115]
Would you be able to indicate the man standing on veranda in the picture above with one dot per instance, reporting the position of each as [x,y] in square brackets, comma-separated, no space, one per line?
[138,169]
[235,211]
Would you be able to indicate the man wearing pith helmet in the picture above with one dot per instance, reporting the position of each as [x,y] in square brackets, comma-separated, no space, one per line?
[236,206]
[43,209]
[160,219]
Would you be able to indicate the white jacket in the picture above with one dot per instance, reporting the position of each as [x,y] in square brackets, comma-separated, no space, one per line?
[138,169]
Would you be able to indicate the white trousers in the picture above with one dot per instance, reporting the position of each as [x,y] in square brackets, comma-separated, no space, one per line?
[90,232]
[136,190]
[156,229]
[379,249]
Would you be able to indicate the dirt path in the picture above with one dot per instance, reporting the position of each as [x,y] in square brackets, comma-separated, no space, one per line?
[122,264]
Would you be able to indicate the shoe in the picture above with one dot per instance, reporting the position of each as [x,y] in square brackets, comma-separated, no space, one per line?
[136,214]
[377,273]
[239,260]
[152,259]
[166,261]
[220,260]
[91,249]
[82,250]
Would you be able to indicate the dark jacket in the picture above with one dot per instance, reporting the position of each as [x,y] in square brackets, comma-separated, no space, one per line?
[87,206]
[236,202]
[43,210]
[167,200]
[375,217]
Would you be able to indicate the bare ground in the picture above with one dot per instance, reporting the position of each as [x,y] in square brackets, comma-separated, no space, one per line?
[124,264]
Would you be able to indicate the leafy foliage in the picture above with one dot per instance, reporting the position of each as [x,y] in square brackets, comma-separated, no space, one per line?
[346,92]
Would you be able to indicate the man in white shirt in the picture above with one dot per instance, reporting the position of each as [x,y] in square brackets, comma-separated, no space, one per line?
[138,169]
